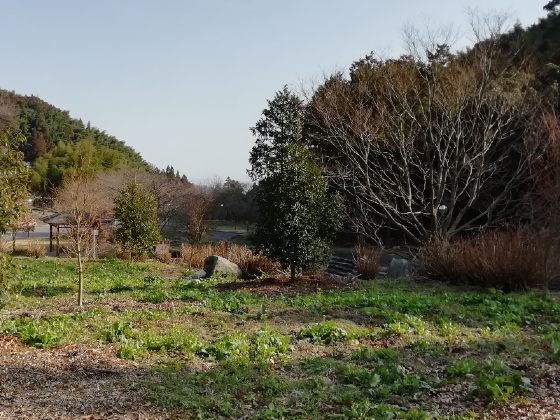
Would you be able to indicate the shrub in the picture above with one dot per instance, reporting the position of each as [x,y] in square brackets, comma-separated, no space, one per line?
[367,260]
[257,265]
[508,260]
[35,249]
[136,209]
[164,257]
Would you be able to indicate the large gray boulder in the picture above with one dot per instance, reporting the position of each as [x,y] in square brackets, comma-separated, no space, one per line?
[215,265]
[400,267]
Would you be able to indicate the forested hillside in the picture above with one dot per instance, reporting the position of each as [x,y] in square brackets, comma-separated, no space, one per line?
[54,141]
[539,47]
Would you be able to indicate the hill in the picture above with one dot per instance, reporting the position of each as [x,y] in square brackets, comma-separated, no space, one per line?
[54,140]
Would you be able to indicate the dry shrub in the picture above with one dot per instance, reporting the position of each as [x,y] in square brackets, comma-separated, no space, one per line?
[106,249]
[252,265]
[507,260]
[194,255]
[367,259]
[36,249]
[164,257]
[257,265]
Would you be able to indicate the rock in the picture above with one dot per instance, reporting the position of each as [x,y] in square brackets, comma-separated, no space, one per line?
[215,265]
[399,267]
[200,274]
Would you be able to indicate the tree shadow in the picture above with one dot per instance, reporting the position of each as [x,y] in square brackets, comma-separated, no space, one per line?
[46,291]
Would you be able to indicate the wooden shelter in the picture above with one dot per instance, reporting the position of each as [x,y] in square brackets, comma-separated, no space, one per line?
[67,221]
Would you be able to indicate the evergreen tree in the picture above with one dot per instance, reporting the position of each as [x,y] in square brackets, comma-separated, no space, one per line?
[13,179]
[297,216]
[13,191]
[136,210]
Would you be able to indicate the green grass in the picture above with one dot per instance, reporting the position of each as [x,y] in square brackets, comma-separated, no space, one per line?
[382,351]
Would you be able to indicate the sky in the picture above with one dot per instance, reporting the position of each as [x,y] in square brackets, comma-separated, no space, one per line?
[182,81]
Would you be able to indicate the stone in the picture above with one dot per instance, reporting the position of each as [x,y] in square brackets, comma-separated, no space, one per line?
[200,274]
[215,265]
[399,267]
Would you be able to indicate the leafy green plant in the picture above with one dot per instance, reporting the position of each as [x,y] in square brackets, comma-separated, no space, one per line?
[464,367]
[324,332]
[129,350]
[383,354]
[36,333]
[154,295]
[499,388]
[39,336]
[269,346]
[264,346]
[553,339]
[118,332]
[230,347]
[175,340]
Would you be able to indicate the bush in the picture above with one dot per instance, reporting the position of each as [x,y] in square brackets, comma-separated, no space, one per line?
[35,249]
[367,260]
[507,260]
[164,257]
[257,265]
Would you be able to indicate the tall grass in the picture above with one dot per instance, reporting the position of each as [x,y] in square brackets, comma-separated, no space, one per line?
[368,260]
[35,249]
[508,260]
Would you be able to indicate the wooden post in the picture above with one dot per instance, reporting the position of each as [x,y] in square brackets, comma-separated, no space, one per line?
[50,238]
[57,240]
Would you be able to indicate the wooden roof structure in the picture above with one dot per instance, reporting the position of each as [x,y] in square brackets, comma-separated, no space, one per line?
[66,220]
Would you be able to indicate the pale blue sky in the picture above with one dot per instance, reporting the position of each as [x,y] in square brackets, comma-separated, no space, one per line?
[182,81]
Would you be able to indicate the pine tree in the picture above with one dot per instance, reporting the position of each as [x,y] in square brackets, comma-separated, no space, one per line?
[136,211]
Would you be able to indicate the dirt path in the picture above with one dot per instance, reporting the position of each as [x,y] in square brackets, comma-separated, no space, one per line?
[70,382]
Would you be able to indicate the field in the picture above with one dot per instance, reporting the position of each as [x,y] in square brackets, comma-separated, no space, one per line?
[148,344]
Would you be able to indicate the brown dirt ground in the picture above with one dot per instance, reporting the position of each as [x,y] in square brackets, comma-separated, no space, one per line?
[70,382]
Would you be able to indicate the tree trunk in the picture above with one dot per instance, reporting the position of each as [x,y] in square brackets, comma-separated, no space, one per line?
[292,272]
[14,242]
[80,275]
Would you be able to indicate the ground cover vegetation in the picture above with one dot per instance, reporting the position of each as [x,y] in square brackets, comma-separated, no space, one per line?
[388,349]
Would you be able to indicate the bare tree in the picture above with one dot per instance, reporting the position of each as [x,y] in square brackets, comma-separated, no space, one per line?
[199,203]
[25,223]
[83,201]
[428,145]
